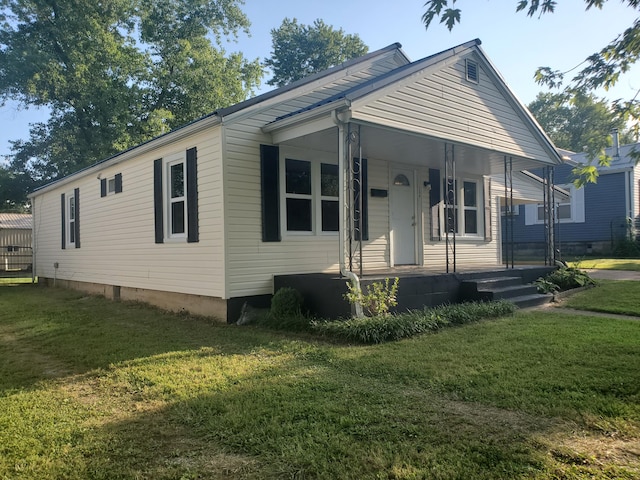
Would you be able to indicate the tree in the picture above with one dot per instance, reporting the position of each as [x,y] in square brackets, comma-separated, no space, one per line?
[572,122]
[299,50]
[114,74]
[602,70]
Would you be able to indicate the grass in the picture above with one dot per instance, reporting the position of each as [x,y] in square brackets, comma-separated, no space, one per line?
[628,264]
[611,296]
[91,389]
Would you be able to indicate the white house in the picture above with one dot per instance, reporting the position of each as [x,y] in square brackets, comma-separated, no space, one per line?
[353,169]
[15,242]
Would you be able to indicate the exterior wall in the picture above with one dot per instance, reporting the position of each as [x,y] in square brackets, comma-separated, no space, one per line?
[470,252]
[117,231]
[443,104]
[604,219]
[175,302]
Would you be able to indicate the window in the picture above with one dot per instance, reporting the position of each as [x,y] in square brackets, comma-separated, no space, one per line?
[176,197]
[310,196]
[571,211]
[111,185]
[70,213]
[467,214]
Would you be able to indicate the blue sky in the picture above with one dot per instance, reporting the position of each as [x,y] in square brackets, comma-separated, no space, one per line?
[516,44]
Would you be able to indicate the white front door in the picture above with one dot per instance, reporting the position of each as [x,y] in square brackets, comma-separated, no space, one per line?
[403,217]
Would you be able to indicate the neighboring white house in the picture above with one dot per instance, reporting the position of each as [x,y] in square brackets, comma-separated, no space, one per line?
[15,242]
[343,170]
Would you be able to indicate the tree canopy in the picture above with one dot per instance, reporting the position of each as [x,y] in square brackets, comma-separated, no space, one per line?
[299,50]
[114,74]
[602,69]
[572,122]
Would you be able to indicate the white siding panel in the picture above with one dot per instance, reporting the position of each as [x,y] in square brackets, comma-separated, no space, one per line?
[470,253]
[252,263]
[444,105]
[117,231]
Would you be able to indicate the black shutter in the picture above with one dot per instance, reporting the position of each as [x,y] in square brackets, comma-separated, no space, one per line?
[64,225]
[157,200]
[118,180]
[192,196]
[434,202]
[103,187]
[361,219]
[270,190]
[76,222]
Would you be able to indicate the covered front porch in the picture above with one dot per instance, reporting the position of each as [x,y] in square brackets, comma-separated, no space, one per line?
[397,199]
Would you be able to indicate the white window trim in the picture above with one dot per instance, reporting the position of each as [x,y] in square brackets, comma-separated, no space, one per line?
[70,200]
[169,161]
[315,197]
[576,202]
[479,208]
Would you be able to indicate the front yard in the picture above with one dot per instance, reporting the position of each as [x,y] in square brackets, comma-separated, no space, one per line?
[91,389]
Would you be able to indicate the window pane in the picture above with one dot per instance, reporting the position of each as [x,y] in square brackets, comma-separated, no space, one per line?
[111,185]
[328,180]
[330,213]
[564,211]
[540,213]
[177,180]
[470,197]
[72,208]
[298,177]
[298,215]
[401,181]
[470,221]
[177,217]
[72,232]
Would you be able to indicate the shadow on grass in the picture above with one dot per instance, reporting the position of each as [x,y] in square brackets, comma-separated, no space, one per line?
[52,333]
[299,423]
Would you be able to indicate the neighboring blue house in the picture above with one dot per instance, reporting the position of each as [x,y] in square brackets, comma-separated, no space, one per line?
[598,216]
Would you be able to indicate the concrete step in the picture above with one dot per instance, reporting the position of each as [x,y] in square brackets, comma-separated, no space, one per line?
[534,300]
[494,282]
[509,292]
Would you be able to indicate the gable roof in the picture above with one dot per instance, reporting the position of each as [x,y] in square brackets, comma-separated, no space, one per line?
[217,116]
[20,221]
[623,161]
[378,84]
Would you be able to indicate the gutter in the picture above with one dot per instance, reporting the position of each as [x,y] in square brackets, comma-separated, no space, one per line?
[343,167]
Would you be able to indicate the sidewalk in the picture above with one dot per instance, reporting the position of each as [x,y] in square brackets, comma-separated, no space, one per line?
[612,274]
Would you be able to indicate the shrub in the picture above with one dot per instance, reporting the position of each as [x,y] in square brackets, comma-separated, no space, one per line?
[378,299]
[287,302]
[568,277]
[626,248]
[546,286]
[378,329]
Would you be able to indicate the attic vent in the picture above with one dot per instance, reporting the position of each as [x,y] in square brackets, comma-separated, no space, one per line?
[472,71]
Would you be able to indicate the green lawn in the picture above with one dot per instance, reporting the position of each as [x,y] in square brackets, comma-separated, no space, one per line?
[621,297]
[92,389]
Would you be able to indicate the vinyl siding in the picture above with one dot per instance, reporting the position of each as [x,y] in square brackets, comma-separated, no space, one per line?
[470,252]
[439,102]
[604,209]
[117,231]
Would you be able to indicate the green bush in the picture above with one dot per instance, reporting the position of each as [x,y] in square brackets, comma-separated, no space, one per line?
[567,278]
[626,248]
[546,286]
[386,328]
[287,302]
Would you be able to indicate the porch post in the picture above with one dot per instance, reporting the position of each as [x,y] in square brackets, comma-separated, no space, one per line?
[342,181]
[508,211]
[450,206]
[548,193]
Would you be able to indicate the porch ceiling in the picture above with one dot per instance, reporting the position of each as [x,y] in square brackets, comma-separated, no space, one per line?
[413,149]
